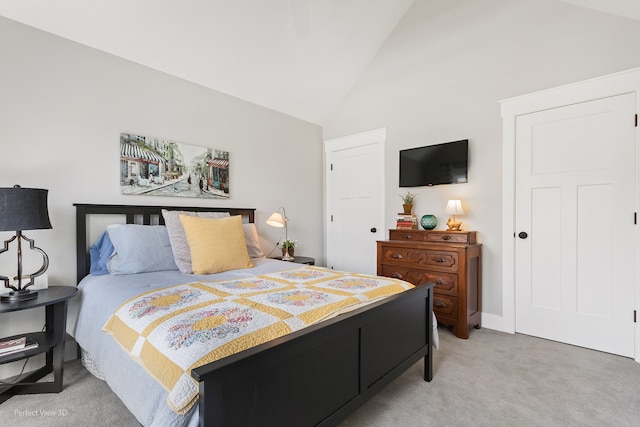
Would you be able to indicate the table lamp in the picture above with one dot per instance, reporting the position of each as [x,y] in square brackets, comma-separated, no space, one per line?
[280,220]
[23,209]
[454,207]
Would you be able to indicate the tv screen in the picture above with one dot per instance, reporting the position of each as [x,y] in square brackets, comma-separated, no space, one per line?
[434,164]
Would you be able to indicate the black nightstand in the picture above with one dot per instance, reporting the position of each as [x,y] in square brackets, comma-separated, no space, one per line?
[300,260]
[51,341]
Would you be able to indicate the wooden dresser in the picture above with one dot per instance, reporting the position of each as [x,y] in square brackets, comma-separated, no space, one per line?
[451,260]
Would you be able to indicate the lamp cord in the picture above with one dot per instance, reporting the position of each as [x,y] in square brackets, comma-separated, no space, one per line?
[274,248]
[24,365]
[17,380]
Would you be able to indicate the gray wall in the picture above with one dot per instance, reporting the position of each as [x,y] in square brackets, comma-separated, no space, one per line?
[440,76]
[64,105]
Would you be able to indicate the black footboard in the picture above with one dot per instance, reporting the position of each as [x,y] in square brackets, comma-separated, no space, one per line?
[321,374]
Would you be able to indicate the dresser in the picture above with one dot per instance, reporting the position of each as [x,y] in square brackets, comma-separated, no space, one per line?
[451,260]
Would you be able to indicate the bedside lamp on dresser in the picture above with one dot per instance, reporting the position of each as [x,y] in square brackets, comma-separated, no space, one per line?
[451,260]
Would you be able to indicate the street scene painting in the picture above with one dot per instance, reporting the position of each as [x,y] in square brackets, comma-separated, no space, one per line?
[159,167]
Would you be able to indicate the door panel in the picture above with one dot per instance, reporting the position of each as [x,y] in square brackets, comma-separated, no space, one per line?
[594,265]
[575,187]
[545,253]
[355,196]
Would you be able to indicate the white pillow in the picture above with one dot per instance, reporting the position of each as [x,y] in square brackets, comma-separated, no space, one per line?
[179,243]
[253,243]
[139,249]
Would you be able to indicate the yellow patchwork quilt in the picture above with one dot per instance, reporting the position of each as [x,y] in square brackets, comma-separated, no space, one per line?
[172,330]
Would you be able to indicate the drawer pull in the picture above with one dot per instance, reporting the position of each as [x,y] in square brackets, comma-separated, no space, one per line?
[396,276]
[446,237]
[397,256]
[440,304]
[440,282]
[439,259]
[407,236]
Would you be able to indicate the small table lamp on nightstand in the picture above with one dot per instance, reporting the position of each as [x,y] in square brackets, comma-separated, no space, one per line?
[277,220]
[23,209]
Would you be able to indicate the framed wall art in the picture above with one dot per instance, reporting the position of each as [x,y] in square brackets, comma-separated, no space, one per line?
[159,167]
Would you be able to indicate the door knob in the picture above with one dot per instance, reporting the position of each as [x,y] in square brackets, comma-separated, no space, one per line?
[373,229]
[523,235]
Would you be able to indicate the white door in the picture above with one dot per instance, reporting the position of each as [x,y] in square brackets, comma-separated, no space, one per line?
[355,202]
[575,198]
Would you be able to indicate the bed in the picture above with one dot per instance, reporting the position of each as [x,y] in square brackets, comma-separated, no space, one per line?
[317,375]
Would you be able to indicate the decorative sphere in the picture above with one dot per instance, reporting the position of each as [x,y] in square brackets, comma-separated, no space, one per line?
[428,222]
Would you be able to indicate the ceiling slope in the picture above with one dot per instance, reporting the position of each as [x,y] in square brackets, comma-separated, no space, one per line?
[299,57]
[625,8]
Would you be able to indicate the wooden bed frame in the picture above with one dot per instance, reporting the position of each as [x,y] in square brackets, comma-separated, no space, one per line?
[315,376]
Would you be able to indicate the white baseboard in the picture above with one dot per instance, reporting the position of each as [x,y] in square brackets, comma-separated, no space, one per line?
[497,323]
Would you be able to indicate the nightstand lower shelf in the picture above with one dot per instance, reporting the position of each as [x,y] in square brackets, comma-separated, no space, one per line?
[50,342]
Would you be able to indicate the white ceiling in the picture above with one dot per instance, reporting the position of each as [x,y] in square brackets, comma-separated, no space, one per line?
[299,57]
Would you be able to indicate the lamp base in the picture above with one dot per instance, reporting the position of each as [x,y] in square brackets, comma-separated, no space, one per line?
[287,257]
[21,295]
[454,225]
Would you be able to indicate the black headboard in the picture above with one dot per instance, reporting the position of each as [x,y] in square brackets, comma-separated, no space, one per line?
[134,215]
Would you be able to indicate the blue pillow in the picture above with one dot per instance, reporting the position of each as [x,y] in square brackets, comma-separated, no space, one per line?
[99,254]
[140,249]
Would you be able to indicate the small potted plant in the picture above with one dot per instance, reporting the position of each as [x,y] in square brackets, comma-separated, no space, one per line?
[288,246]
[407,201]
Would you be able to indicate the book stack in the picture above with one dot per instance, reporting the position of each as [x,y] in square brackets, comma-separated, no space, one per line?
[15,345]
[406,221]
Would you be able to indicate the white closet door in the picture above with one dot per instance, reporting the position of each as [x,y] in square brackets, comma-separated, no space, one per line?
[575,198]
[355,201]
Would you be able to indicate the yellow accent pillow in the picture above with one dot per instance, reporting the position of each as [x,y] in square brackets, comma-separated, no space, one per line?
[216,245]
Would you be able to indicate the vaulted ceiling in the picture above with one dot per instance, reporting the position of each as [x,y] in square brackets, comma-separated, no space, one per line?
[299,57]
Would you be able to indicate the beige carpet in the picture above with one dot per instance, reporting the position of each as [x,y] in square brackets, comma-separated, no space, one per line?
[491,379]
[497,379]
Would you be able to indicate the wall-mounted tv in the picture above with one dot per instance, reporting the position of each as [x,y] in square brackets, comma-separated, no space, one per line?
[434,164]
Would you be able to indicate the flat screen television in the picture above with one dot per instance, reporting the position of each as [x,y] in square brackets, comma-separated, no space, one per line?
[434,164]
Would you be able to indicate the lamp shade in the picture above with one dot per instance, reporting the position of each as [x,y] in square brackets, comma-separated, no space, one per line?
[23,209]
[276,220]
[454,207]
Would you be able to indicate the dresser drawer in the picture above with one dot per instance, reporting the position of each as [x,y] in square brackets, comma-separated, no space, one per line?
[440,236]
[408,235]
[445,283]
[442,260]
[468,237]
[445,306]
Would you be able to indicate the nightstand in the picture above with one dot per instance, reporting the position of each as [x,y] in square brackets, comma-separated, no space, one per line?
[300,260]
[51,341]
